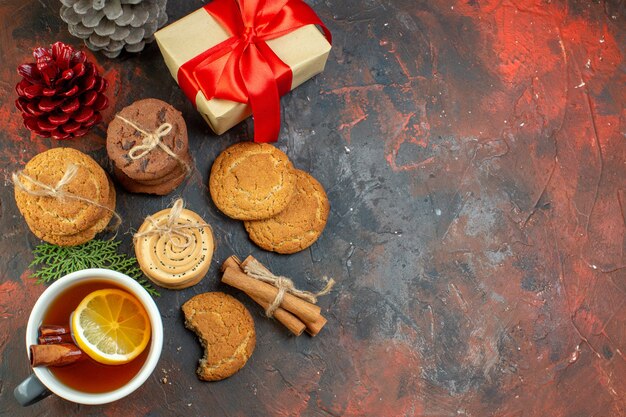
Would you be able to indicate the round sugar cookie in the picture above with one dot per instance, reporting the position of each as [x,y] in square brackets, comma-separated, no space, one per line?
[251,181]
[87,234]
[299,225]
[165,260]
[226,331]
[51,215]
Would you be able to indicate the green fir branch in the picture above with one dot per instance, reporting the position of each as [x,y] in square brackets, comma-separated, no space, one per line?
[57,261]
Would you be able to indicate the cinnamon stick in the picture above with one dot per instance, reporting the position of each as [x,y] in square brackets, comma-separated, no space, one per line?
[250,259]
[312,328]
[55,339]
[53,329]
[54,355]
[304,310]
[231,262]
[291,322]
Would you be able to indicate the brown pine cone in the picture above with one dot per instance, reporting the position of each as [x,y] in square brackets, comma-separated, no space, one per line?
[61,93]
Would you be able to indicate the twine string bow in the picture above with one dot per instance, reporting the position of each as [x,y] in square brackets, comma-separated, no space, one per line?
[58,190]
[150,141]
[172,227]
[284,285]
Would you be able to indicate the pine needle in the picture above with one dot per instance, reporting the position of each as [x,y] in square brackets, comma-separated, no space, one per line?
[57,261]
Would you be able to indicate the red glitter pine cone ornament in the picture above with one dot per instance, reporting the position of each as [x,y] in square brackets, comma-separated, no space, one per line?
[61,94]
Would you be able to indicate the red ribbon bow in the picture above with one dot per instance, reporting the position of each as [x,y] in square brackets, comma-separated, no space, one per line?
[243,68]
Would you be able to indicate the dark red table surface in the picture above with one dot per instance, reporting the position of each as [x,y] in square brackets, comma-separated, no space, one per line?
[474,153]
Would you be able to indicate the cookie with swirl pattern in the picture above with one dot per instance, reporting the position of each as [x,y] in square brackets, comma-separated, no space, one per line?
[174,260]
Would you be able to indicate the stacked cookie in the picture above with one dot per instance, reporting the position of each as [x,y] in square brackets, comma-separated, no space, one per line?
[174,247]
[147,142]
[284,209]
[65,197]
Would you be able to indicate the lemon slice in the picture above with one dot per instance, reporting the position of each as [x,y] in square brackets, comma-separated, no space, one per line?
[111,326]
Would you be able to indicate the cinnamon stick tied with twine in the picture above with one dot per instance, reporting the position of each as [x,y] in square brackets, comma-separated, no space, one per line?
[151,141]
[291,322]
[172,228]
[277,292]
[57,191]
[256,270]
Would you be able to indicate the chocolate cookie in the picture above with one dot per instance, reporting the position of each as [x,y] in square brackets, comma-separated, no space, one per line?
[87,234]
[251,181]
[172,181]
[299,225]
[175,173]
[53,215]
[148,114]
[226,332]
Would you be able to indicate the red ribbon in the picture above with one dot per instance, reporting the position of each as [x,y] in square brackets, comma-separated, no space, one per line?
[243,68]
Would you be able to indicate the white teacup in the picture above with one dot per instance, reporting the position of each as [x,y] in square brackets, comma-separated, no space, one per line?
[43,382]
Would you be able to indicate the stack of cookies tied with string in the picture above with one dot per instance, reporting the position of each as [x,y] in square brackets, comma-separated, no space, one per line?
[174,247]
[284,209]
[65,197]
[147,143]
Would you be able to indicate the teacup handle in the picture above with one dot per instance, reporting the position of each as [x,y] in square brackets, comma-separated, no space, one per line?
[30,390]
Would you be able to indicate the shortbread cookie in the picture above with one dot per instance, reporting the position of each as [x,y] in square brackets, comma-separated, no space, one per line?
[51,215]
[226,332]
[87,234]
[251,181]
[299,225]
[179,259]
[148,114]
